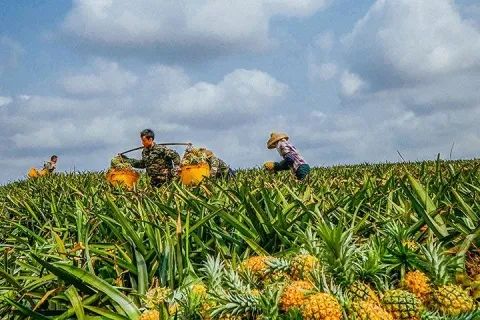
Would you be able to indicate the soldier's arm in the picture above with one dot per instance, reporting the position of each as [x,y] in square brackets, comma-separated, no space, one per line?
[173,155]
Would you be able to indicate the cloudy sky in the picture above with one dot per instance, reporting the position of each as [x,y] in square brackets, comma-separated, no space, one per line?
[349,80]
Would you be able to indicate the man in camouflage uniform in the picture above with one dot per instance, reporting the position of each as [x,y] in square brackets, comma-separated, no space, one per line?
[218,167]
[160,162]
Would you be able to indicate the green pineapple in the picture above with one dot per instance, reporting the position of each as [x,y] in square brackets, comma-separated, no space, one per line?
[402,305]
[360,291]
[451,300]
[448,299]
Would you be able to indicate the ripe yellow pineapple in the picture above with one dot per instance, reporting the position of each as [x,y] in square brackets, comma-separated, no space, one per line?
[199,289]
[451,300]
[402,305]
[321,306]
[369,310]
[276,278]
[257,265]
[229,317]
[255,292]
[360,291]
[173,308]
[302,265]
[206,309]
[294,294]
[156,296]
[418,283]
[150,315]
[411,245]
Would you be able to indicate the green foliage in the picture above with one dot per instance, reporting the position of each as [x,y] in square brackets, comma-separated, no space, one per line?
[73,246]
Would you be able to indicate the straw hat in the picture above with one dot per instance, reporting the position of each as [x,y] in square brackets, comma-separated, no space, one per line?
[274,138]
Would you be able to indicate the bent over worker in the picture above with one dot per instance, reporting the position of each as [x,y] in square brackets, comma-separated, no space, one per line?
[160,162]
[218,167]
[291,157]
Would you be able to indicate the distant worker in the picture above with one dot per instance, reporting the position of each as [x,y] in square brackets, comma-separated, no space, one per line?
[51,165]
[218,167]
[160,162]
[291,158]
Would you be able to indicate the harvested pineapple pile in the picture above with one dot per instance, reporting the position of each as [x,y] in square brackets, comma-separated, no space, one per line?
[121,173]
[194,156]
[119,163]
[301,287]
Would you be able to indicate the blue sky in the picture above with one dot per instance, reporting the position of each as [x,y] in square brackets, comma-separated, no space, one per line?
[349,81]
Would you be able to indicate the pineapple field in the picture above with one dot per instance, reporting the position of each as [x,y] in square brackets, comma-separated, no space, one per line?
[365,242]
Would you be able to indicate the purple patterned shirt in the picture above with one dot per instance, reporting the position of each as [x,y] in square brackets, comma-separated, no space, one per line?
[286,148]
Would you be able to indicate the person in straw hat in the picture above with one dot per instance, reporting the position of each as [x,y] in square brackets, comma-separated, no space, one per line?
[291,158]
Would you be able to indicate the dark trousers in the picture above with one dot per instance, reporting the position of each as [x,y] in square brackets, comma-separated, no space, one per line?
[287,164]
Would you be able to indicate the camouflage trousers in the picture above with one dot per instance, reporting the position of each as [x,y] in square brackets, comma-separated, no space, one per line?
[163,177]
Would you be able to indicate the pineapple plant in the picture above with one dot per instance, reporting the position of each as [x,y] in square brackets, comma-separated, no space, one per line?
[451,300]
[346,209]
[402,305]
[294,294]
[368,310]
[199,289]
[302,265]
[258,265]
[360,291]
[411,245]
[156,296]
[150,315]
[277,273]
[321,306]
[418,283]
[472,263]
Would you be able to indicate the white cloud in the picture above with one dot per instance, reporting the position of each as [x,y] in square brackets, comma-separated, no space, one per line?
[325,71]
[351,83]
[412,40]
[411,72]
[5,101]
[240,96]
[324,41]
[217,25]
[86,131]
[295,8]
[105,78]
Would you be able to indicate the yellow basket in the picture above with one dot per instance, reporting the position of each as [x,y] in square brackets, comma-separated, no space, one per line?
[194,174]
[34,173]
[121,177]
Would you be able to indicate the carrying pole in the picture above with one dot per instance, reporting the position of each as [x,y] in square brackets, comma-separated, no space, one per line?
[161,144]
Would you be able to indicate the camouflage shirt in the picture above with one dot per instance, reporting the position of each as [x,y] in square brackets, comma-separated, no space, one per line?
[218,167]
[160,163]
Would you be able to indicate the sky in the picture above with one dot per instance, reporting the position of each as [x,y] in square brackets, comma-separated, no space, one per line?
[349,81]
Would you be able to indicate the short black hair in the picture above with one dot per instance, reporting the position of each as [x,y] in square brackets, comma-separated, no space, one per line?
[53,157]
[147,133]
